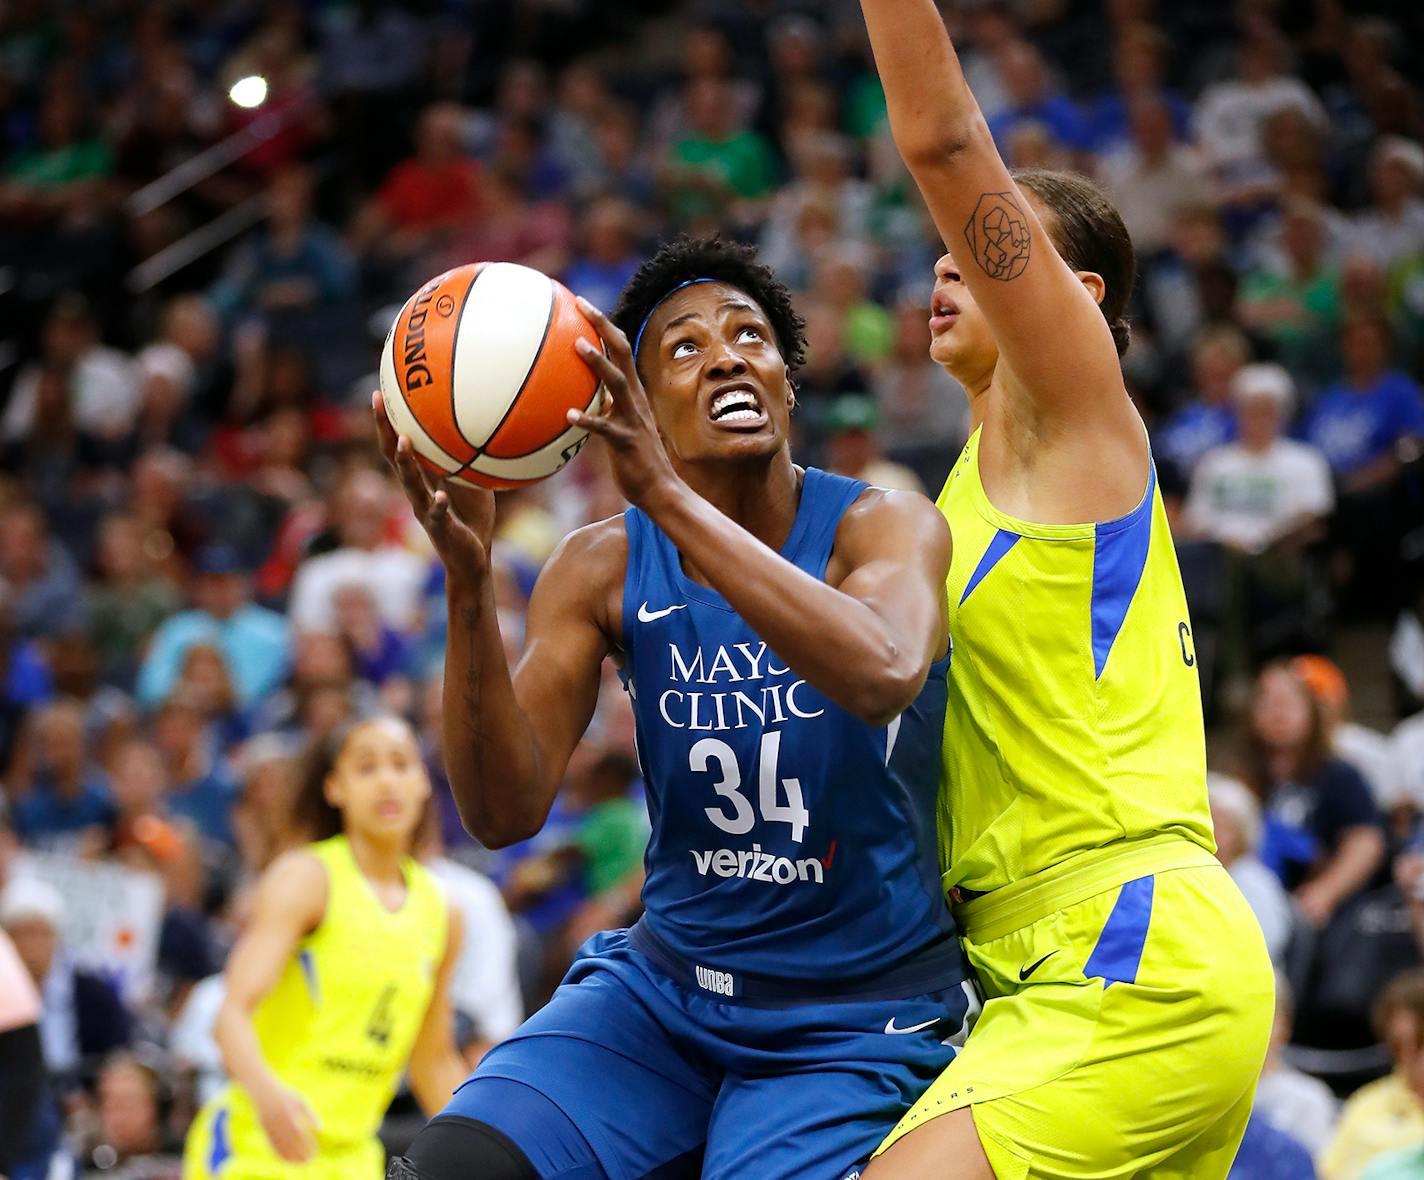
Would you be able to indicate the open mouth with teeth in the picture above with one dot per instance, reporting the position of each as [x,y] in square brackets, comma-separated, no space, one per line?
[943,312]
[737,408]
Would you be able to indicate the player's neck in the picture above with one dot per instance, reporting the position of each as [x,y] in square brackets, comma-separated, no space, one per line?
[761,497]
[381,862]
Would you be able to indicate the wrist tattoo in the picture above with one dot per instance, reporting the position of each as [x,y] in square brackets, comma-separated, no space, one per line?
[998,235]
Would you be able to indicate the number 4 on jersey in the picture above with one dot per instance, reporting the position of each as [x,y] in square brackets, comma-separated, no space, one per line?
[729,787]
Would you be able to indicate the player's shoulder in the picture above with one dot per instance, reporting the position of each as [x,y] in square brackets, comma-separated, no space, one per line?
[585,573]
[881,516]
[296,866]
[593,549]
[296,882]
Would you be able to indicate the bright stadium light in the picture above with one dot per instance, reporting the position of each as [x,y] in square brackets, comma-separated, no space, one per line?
[249,92]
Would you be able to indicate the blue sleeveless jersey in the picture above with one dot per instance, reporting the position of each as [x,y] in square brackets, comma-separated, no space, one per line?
[789,838]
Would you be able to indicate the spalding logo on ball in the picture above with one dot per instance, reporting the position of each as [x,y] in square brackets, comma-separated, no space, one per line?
[479,372]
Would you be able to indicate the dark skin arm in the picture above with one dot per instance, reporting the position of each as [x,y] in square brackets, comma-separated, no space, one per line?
[866,636]
[1063,409]
[504,770]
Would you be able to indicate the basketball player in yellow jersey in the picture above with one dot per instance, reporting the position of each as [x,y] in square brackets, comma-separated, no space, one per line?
[1129,993]
[339,981]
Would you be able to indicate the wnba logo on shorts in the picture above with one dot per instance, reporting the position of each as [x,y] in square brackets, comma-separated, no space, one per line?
[719,982]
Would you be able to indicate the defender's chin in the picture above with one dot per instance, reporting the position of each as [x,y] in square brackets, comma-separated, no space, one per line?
[942,349]
[949,351]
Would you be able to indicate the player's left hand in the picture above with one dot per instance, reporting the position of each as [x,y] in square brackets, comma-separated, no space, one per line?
[625,422]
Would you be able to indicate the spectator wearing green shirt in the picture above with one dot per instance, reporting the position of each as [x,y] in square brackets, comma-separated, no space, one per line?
[1297,307]
[717,167]
[867,328]
[610,838]
[129,599]
[66,155]
[58,174]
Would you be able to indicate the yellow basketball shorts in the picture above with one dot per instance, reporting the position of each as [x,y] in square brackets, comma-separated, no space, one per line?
[1121,1035]
[226,1142]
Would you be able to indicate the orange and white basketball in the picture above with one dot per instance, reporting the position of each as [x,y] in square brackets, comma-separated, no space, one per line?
[479,371]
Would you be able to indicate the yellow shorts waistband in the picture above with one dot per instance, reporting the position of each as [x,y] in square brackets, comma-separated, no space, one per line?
[1023,902]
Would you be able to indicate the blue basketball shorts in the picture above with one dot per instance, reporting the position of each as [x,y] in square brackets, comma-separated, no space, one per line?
[641,1066]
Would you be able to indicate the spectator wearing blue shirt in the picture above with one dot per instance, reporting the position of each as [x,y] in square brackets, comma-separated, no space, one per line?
[1032,98]
[1137,63]
[66,798]
[254,641]
[24,680]
[1324,834]
[45,593]
[1208,418]
[1360,423]
[1269,1154]
[292,264]
[608,258]
[202,788]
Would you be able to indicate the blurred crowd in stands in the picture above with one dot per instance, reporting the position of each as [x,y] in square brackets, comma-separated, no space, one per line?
[209,212]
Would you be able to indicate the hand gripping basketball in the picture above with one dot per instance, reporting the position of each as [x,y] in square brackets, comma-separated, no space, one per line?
[625,421]
[458,519]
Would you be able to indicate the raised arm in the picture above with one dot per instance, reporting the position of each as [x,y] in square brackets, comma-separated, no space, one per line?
[1055,342]
[508,737]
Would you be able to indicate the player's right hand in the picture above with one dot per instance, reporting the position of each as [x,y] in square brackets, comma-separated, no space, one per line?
[458,517]
[288,1122]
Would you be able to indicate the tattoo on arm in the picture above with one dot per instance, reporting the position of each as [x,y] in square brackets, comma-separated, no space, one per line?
[998,235]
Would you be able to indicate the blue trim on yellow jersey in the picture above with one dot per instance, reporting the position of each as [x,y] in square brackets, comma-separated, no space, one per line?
[1118,952]
[308,965]
[222,1149]
[999,545]
[1119,556]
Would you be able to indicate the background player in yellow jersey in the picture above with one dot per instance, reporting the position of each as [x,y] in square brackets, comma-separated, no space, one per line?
[340,978]
[1129,990]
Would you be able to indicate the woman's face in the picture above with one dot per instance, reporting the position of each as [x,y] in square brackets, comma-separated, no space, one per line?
[960,339]
[127,1110]
[1280,711]
[379,781]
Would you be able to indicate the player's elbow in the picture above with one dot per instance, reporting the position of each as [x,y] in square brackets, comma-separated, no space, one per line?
[931,145]
[494,827]
[496,832]
[887,693]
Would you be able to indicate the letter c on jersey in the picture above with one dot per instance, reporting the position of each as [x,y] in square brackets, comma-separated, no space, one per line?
[1189,647]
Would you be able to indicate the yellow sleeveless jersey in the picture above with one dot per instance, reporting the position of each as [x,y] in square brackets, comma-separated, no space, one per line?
[339,1026]
[1074,718]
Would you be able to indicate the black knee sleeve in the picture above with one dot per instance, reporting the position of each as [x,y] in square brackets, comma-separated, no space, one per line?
[456,1148]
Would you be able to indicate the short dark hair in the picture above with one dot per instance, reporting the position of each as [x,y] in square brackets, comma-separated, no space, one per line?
[686,258]
[1090,235]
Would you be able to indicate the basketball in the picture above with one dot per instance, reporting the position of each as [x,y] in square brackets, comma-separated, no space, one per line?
[479,372]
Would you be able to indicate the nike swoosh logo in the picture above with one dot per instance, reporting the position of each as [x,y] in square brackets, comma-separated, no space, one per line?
[1025,972]
[892,1028]
[652,616]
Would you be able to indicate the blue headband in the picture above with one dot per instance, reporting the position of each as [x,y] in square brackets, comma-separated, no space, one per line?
[643,327]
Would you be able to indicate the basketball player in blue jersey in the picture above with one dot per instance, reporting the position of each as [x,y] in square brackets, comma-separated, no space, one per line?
[795,981]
